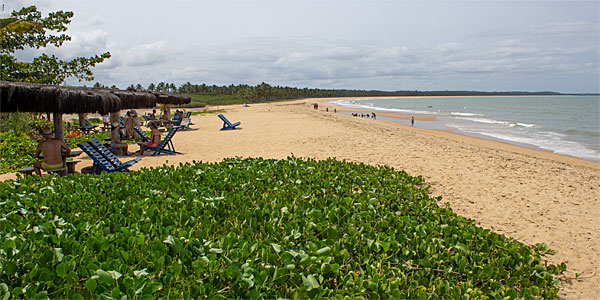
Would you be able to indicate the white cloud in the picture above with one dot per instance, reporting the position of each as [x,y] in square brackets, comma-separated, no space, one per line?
[82,44]
[155,53]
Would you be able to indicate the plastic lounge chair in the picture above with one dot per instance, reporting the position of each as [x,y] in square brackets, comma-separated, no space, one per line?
[166,145]
[189,116]
[145,119]
[176,121]
[118,165]
[101,163]
[142,134]
[90,126]
[87,127]
[185,123]
[226,124]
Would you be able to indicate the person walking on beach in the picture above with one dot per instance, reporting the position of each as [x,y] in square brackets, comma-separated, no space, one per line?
[52,149]
[412,121]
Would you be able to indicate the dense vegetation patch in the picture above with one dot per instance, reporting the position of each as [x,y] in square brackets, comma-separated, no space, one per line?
[205,100]
[253,228]
[18,148]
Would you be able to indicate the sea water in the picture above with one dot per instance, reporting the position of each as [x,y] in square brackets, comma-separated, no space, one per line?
[561,124]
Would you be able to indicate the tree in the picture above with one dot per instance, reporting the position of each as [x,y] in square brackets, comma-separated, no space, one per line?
[27,28]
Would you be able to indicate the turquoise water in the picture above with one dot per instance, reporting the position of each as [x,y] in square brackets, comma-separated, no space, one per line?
[561,124]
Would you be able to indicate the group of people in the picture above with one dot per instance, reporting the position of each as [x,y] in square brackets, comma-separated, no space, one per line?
[54,149]
[132,121]
[363,115]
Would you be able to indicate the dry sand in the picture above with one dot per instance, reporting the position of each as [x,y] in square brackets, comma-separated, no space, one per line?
[531,195]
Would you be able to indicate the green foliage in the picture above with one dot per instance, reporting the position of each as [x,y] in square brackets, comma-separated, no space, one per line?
[27,28]
[253,228]
[216,111]
[16,151]
[21,122]
[17,148]
[205,100]
[73,141]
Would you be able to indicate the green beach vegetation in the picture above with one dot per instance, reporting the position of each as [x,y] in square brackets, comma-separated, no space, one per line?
[17,148]
[254,228]
[241,228]
[204,95]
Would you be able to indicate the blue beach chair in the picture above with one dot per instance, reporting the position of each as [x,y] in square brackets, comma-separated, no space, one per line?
[228,125]
[166,145]
[104,163]
[142,134]
[108,155]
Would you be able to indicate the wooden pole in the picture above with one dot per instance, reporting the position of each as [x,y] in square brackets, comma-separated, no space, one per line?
[114,117]
[59,130]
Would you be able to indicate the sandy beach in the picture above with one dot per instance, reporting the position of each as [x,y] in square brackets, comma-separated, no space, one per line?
[531,195]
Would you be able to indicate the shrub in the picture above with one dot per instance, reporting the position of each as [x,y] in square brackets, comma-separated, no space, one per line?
[250,228]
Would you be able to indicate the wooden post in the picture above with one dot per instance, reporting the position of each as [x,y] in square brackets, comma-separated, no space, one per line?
[114,117]
[59,130]
[81,120]
[168,110]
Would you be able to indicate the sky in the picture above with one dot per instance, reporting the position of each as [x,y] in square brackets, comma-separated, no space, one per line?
[484,45]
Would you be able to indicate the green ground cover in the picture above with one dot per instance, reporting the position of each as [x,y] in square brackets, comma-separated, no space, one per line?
[18,148]
[199,100]
[253,228]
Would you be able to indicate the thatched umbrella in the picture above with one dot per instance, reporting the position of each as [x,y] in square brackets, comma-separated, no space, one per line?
[32,97]
[169,99]
[172,98]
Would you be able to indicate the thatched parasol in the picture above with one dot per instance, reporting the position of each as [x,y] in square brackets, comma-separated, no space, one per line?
[172,98]
[32,97]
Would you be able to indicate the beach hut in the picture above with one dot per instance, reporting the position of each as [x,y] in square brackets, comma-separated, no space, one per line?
[59,100]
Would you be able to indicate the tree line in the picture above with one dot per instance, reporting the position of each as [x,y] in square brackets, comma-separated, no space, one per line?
[265,92]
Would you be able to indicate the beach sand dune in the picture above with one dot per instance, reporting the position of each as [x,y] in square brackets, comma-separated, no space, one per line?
[533,196]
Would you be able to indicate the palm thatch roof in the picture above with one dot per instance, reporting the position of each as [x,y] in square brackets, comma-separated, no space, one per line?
[172,98]
[32,97]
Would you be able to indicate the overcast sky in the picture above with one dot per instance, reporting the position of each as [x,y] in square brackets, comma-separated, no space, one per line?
[481,45]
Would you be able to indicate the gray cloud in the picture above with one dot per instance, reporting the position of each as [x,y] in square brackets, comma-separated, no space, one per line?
[363,44]
[154,53]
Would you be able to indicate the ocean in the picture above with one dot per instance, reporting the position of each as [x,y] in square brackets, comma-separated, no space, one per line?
[561,124]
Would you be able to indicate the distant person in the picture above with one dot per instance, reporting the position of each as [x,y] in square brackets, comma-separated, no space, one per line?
[154,138]
[374,116]
[135,120]
[153,115]
[335,110]
[177,117]
[52,149]
[327,109]
[105,120]
[412,121]
[129,123]
[115,139]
